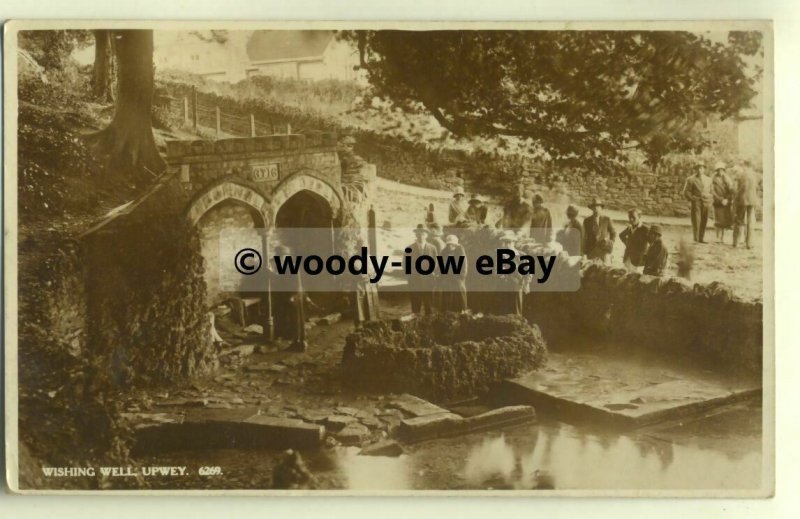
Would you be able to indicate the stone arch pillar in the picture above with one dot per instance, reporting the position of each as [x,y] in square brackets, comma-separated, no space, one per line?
[229,191]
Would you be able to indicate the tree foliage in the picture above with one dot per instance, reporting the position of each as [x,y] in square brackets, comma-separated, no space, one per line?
[584,97]
[51,49]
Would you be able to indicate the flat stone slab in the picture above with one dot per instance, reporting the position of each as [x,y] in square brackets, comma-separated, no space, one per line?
[442,425]
[415,406]
[228,428]
[577,388]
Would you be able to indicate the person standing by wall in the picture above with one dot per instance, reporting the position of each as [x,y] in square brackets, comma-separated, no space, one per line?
[635,238]
[722,191]
[453,286]
[420,287]
[655,260]
[697,191]
[541,221]
[571,236]
[477,210]
[598,233]
[745,203]
[514,284]
[458,207]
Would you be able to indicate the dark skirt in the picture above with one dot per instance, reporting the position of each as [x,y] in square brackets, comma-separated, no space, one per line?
[722,216]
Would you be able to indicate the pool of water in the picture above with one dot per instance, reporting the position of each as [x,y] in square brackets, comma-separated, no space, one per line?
[720,452]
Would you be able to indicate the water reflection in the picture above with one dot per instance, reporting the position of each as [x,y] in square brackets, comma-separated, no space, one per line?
[547,456]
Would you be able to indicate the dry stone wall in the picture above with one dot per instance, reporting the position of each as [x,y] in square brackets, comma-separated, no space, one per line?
[442,356]
[705,322]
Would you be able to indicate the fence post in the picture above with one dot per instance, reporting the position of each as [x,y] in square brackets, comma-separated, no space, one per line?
[185,111]
[288,128]
[194,107]
[252,125]
[372,235]
[219,125]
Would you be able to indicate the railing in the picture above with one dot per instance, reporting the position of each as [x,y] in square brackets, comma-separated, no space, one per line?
[196,115]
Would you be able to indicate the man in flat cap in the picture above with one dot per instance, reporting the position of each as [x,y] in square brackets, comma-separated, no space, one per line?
[697,191]
[655,260]
[598,233]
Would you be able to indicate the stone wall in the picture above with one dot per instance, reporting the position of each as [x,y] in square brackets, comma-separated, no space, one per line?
[147,296]
[443,356]
[705,322]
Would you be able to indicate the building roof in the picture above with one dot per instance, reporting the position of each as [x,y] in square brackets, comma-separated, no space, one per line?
[266,46]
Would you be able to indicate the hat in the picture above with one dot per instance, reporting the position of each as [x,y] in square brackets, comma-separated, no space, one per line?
[528,193]
[510,236]
[475,199]
[459,191]
[349,139]
[595,202]
[572,210]
[655,229]
[699,164]
[451,239]
[421,229]
[435,229]
[537,199]
[719,165]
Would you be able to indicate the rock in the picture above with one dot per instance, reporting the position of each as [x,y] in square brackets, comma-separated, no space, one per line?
[414,406]
[338,422]
[352,434]
[183,402]
[496,418]
[330,319]
[254,328]
[236,401]
[429,426]
[291,473]
[383,448]
[277,431]
[371,422]
[218,405]
[347,410]
[313,416]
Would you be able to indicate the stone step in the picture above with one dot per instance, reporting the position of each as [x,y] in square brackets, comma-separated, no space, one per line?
[236,428]
[448,424]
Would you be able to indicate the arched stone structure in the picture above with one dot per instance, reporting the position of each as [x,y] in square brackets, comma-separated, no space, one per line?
[229,190]
[301,181]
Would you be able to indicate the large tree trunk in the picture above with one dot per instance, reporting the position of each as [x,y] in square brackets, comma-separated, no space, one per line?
[128,140]
[103,74]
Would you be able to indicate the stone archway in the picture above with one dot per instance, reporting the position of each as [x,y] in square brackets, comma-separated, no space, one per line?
[227,211]
[304,182]
[229,191]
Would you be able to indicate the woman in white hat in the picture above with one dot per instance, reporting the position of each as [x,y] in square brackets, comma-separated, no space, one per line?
[458,207]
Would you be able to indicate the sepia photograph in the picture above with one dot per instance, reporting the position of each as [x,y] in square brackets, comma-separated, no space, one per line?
[390,258]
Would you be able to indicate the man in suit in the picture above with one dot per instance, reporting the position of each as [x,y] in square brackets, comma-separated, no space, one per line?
[655,260]
[420,287]
[697,191]
[634,236]
[744,204]
[598,233]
